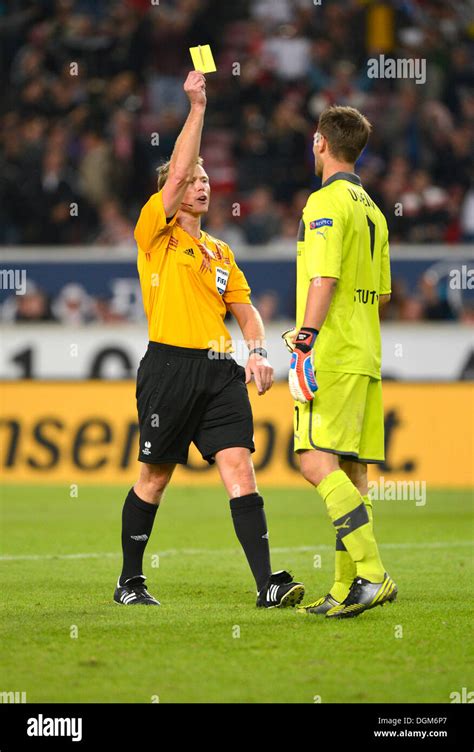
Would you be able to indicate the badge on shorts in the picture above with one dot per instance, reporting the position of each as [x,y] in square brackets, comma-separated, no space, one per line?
[222,275]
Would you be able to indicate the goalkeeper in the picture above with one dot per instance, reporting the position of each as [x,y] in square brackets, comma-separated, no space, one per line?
[343,276]
[189,387]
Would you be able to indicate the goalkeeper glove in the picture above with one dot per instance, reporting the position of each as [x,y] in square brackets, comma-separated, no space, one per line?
[301,377]
[289,336]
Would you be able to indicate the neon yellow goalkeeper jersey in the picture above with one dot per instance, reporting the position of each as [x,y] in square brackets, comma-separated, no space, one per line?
[343,234]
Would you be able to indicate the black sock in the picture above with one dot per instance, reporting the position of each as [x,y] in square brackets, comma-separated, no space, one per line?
[251,529]
[137,522]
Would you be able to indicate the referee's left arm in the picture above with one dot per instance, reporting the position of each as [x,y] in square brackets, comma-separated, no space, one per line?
[251,325]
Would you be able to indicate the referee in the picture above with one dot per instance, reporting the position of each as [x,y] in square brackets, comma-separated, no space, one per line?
[189,388]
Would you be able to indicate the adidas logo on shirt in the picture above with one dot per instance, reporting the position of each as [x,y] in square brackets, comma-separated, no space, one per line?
[189,252]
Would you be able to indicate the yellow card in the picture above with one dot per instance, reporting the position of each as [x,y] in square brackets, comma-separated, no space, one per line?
[202,58]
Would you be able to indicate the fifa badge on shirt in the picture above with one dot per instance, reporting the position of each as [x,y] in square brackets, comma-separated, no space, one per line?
[222,275]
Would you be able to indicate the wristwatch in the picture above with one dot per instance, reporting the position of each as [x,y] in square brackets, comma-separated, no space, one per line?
[259,351]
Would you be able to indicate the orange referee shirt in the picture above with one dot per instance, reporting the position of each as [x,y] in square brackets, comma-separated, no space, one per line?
[186,283]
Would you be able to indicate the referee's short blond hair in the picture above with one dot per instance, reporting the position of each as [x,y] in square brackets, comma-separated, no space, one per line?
[164,169]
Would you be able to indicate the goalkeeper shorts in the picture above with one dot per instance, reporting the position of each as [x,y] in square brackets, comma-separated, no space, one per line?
[186,395]
[345,417]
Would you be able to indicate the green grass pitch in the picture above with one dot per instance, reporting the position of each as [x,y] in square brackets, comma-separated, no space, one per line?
[60,558]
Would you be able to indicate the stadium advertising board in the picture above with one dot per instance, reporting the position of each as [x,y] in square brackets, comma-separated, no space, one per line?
[410,353]
[58,432]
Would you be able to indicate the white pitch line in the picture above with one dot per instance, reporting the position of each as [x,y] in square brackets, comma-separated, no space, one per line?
[227,551]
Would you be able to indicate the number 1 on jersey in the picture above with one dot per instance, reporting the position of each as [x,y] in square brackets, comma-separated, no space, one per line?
[372,236]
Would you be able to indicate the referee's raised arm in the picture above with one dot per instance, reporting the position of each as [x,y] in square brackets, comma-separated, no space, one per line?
[187,146]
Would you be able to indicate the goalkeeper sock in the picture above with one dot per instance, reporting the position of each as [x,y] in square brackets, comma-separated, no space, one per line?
[250,526]
[349,515]
[137,522]
[368,505]
[345,569]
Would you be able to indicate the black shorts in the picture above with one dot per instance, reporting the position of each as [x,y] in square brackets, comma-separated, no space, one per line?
[183,396]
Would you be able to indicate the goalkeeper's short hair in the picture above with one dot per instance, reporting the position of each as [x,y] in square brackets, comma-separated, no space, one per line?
[163,171]
[346,130]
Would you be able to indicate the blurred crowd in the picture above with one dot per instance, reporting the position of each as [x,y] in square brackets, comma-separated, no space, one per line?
[432,299]
[92,102]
